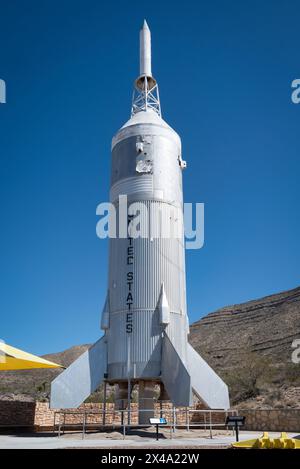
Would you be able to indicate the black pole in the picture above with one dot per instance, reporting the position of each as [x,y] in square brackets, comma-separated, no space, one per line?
[237,431]
[157,432]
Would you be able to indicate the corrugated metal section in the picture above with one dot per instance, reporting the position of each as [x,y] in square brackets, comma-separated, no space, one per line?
[143,321]
[156,260]
[132,185]
[145,344]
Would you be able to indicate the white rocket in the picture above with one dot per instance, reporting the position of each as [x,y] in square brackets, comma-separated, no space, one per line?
[144,318]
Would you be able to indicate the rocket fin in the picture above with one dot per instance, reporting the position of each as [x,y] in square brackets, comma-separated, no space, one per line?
[81,378]
[206,384]
[174,374]
[180,378]
[163,307]
[105,313]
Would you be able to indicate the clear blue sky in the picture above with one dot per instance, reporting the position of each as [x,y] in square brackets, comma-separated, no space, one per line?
[225,70]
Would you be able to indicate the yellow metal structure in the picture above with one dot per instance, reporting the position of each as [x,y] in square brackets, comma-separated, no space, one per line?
[265,442]
[12,358]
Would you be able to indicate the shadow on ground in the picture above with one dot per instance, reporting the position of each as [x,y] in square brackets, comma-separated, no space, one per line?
[144,434]
[30,434]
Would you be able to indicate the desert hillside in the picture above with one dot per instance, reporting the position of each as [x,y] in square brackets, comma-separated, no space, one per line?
[250,345]
[266,326]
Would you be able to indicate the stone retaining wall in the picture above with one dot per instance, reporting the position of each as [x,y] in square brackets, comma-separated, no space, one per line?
[17,413]
[37,415]
[272,419]
[45,416]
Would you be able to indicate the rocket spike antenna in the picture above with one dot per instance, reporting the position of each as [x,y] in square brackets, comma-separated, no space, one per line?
[145,94]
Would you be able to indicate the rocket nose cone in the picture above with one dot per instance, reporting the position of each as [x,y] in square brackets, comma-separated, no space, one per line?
[145,25]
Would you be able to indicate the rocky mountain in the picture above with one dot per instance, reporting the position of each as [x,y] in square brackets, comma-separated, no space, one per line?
[66,357]
[267,327]
[249,345]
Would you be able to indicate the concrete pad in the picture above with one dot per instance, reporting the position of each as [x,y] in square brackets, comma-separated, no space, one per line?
[136,439]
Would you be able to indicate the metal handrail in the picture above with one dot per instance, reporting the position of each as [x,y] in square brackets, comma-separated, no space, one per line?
[170,412]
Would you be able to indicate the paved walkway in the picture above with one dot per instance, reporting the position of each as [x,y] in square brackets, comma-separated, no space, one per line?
[136,439]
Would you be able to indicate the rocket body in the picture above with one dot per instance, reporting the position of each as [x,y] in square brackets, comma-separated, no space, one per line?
[146,168]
